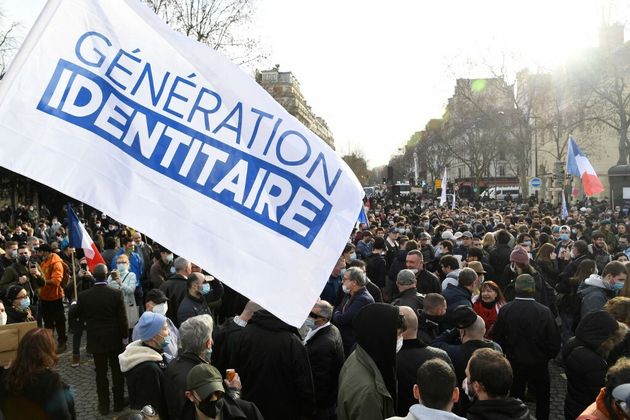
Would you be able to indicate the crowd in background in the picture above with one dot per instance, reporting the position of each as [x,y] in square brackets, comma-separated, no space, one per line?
[429,312]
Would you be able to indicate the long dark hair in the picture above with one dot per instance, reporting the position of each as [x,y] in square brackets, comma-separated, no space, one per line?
[36,353]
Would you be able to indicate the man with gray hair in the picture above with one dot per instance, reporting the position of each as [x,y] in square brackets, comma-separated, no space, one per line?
[325,352]
[195,337]
[175,287]
[407,293]
[356,297]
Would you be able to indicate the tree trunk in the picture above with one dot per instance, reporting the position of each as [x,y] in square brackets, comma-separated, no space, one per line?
[623,147]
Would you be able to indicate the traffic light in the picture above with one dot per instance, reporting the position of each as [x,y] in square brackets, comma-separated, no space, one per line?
[384,180]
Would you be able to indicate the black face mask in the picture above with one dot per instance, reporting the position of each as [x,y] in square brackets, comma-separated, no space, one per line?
[211,408]
[23,259]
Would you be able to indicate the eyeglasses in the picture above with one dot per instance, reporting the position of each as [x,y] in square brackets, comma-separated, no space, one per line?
[314,315]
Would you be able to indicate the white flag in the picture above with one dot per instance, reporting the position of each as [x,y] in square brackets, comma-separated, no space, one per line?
[105,103]
[443,194]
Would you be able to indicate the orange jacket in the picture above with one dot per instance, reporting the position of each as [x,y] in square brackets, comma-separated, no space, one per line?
[53,271]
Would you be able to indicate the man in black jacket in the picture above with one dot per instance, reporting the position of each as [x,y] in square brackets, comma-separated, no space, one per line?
[274,368]
[411,356]
[175,287]
[489,378]
[430,317]
[426,282]
[407,293]
[195,336]
[325,353]
[527,332]
[500,256]
[376,267]
[194,303]
[103,310]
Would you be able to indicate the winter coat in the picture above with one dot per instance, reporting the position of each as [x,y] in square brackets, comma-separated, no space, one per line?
[584,367]
[175,381]
[376,269]
[549,271]
[274,368]
[502,409]
[411,356]
[362,391]
[427,282]
[499,258]
[44,396]
[325,353]
[428,327]
[175,289]
[192,306]
[144,368]
[223,337]
[594,294]
[527,332]
[345,313]
[420,412]
[410,298]
[488,314]
[455,296]
[399,263]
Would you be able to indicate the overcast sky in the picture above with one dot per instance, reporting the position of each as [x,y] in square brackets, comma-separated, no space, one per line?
[378,71]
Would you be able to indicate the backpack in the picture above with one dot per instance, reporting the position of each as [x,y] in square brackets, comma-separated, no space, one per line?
[65,278]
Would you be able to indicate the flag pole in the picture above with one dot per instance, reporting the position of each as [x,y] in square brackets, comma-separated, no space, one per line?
[74,276]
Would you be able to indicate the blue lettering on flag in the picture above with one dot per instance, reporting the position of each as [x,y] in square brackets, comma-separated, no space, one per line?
[269,195]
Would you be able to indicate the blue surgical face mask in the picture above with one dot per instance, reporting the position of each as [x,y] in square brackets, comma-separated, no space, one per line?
[309,323]
[25,303]
[205,288]
[121,267]
[618,286]
[208,354]
[353,256]
[564,236]
[166,342]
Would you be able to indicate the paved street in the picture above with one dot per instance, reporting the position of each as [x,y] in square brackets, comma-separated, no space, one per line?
[81,379]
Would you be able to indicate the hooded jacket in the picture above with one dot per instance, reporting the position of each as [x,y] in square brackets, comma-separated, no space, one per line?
[274,368]
[594,293]
[584,367]
[507,409]
[144,367]
[367,382]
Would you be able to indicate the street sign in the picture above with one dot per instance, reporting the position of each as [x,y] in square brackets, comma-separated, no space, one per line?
[535,182]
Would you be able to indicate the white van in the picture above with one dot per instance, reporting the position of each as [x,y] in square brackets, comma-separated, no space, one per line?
[499,193]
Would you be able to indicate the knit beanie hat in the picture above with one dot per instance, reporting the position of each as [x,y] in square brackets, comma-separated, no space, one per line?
[519,255]
[149,325]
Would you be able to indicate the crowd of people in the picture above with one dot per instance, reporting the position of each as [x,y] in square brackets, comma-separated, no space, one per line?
[429,312]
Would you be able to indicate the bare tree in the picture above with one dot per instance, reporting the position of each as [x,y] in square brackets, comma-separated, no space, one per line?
[8,43]
[605,78]
[220,24]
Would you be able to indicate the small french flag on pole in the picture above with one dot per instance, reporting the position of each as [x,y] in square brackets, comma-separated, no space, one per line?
[579,165]
[79,238]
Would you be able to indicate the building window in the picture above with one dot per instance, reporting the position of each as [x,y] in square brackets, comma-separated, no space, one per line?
[459,172]
[501,170]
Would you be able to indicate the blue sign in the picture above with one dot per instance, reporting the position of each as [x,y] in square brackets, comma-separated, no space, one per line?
[535,182]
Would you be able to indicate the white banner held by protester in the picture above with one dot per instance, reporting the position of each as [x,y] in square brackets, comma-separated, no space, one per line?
[108,105]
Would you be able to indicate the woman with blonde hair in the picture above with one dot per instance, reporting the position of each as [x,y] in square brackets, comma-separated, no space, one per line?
[488,242]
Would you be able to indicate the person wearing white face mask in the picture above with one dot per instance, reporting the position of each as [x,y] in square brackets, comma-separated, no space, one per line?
[356,297]
[157,302]
[125,280]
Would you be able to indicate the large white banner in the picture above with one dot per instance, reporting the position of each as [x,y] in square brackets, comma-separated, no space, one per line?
[108,105]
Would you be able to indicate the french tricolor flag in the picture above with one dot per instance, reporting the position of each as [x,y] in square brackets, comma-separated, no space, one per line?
[578,165]
[79,238]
